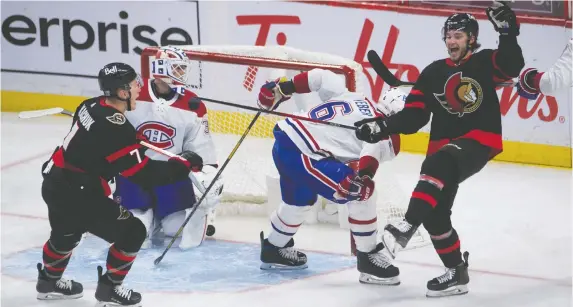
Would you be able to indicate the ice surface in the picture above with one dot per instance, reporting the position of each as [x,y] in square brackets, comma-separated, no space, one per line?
[515,220]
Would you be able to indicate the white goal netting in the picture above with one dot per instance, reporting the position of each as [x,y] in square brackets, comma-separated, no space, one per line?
[235,74]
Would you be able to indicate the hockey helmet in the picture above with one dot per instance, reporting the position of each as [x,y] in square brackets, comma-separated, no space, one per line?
[173,63]
[392,101]
[116,76]
[461,22]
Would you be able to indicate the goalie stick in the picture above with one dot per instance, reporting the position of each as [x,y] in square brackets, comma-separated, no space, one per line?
[388,77]
[58,110]
[158,260]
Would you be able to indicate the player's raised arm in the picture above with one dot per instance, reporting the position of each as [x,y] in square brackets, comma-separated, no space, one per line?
[508,59]
[326,83]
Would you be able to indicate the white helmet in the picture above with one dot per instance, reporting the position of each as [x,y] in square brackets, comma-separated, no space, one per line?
[392,101]
[171,62]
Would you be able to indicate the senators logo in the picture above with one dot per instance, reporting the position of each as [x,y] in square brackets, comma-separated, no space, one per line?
[157,134]
[461,95]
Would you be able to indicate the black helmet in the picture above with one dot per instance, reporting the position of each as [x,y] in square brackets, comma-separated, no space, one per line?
[115,76]
[463,22]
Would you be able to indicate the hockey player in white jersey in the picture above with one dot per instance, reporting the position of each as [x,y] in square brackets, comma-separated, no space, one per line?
[555,79]
[313,160]
[169,120]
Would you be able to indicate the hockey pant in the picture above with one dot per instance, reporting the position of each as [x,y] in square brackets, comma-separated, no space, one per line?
[302,179]
[73,210]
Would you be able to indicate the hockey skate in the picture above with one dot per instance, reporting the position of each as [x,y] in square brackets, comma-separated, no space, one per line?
[281,258]
[109,294]
[375,268]
[453,282]
[57,289]
[396,236]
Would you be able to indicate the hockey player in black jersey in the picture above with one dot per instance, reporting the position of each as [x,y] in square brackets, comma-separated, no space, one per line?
[466,133]
[100,145]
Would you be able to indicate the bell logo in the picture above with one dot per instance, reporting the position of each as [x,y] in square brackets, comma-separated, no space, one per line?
[109,71]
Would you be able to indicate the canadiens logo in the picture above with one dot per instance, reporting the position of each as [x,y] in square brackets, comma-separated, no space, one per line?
[157,134]
[461,95]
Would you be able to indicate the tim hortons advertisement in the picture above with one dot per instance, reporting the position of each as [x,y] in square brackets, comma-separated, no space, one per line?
[76,38]
[406,43]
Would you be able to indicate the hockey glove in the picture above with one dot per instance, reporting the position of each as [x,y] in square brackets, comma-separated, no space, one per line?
[355,187]
[371,130]
[191,160]
[526,87]
[271,94]
[503,19]
[205,177]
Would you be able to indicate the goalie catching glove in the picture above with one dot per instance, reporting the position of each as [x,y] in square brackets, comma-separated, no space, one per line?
[274,92]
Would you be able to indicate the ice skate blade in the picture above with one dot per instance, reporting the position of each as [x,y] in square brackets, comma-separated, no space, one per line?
[455,290]
[53,296]
[391,247]
[282,267]
[374,280]
[113,304]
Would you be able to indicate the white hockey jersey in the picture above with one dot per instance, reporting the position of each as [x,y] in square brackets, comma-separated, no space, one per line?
[558,77]
[172,125]
[335,104]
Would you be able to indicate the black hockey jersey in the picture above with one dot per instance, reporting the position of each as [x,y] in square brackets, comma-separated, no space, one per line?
[462,98]
[102,144]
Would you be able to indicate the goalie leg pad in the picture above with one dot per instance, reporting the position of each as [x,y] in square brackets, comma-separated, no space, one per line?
[193,233]
[146,217]
[363,221]
[285,222]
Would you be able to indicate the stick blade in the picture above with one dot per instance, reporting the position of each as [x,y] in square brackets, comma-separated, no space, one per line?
[383,71]
[158,260]
[40,113]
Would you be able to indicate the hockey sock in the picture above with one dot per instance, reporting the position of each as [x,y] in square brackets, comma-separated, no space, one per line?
[118,264]
[55,261]
[363,223]
[447,246]
[285,222]
[424,199]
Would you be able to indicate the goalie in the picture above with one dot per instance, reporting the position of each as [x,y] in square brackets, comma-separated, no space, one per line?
[173,123]
[314,160]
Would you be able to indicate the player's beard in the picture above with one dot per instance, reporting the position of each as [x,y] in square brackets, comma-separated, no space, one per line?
[458,54]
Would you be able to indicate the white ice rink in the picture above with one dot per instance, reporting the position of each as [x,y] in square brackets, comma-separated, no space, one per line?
[514,220]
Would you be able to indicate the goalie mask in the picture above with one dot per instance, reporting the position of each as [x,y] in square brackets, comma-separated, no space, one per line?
[392,101]
[171,62]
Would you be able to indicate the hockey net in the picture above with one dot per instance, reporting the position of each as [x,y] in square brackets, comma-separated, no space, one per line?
[235,74]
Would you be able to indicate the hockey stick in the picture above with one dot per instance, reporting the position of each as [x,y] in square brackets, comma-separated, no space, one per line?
[389,77]
[58,110]
[44,112]
[158,260]
[240,106]
[384,72]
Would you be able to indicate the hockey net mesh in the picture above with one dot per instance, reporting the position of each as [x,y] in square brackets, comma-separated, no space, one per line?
[234,74]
